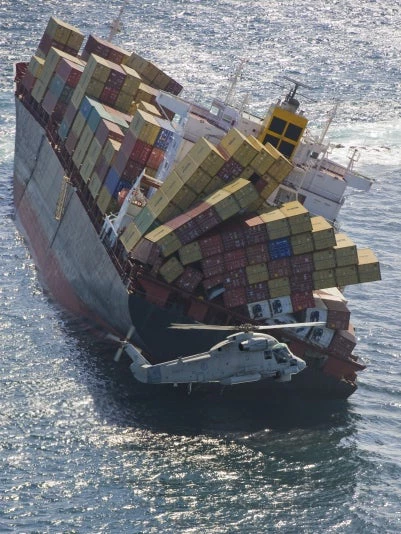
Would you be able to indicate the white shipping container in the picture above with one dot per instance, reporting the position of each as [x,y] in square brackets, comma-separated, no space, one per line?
[318,313]
[321,336]
[281,305]
[259,310]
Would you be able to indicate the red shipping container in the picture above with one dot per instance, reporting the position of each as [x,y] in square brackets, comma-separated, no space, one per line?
[256,292]
[235,279]
[338,314]
[59,111]
[69,72]
[132,170]
[255,231]
[109,95]
[235,259]
[155,158]
[28,81]
[257,253]
[301,282]
[279,268]
[234,297]
[213,281]
[197,310]
[342,344]
[206,216]
[189,279]
[108,130]
[211,245]
[303,263]
[302,300]
[233,238]
[185,228]
[140,152]
[213,265]
[116,78]
[230,170]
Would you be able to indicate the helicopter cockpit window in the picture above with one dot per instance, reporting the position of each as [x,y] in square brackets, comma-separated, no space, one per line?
[268,355]
[281,353]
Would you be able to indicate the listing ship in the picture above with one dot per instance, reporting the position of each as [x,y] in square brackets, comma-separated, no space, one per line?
[143,209]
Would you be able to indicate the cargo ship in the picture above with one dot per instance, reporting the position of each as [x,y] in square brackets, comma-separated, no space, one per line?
[143,209]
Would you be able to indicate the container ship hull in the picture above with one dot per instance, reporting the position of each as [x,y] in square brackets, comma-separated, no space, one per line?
[77,270]
[137,222]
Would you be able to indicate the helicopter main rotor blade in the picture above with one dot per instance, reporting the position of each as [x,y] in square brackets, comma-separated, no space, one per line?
[288,325]
[242,327]
[202,327]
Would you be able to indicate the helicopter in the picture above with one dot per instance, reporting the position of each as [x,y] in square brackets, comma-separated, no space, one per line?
[248,355]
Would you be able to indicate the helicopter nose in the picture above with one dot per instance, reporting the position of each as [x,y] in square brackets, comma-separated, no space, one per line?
[301,365]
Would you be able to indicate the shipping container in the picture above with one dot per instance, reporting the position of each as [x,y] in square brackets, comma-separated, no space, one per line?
[276,224]
[165,238]
[234,298]
[297,216]
[256,292]
[235,278]
[279,287]
[281,305]
[259,310]
[322,233]
[368,266]
[302,243]
[171,269]
[257,273]
[190,253]
[345,251]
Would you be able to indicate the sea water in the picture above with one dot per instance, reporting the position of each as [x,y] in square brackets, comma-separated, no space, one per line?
[82,450]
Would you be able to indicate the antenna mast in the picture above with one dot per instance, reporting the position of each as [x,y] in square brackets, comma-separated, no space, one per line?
[116,25]
[234,80]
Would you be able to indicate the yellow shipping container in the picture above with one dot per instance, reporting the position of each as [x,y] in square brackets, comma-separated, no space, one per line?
[136,62]
[224,203]
[158,202]
[86,168]
[302,243]
[172,185]
[324,259]
[279,287]
[345,251]
[36,65]
[146,93]
[244,192]
[323,233]
[105,202]
[324,278]
[165,238]
[97,68]
[184,198]
[257,273]
[199,180]
[94,150]
[38,91]
[150,71]
[145,127]
[77,96]
[239,147]
[262,162]
[78,125]
[186,168]
[82,145]
[95,184]
[130,236]
[110,150]
[347,275]
[190,253]
[215,183]
[171,269]
[368,266]
[276,223]
[298,217]
[169,213]
[132,81]
[206,155]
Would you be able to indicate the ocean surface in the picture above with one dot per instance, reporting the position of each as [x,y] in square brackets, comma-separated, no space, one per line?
[82,449]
